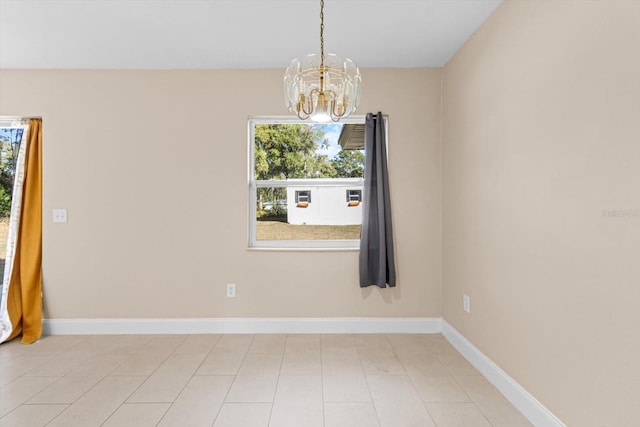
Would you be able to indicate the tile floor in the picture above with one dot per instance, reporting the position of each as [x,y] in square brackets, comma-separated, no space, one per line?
[246,381]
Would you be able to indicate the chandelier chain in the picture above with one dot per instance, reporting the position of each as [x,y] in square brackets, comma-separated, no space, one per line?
[322,33]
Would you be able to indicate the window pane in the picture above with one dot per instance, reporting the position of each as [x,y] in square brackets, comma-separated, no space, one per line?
[301,174]
[283,213]
[302,150]
[10,139]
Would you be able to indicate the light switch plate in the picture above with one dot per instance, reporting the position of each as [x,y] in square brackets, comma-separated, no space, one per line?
[466,303]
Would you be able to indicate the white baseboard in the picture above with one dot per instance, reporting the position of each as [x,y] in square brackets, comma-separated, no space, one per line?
[364,325]
[528,405]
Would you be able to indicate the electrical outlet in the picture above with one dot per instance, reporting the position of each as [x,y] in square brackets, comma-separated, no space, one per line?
[466,303]
[59,215]
[231,290]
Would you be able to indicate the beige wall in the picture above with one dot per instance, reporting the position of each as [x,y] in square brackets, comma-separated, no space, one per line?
[152,167]
[541,125]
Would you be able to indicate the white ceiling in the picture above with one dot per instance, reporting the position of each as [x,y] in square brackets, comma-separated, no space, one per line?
[232,33]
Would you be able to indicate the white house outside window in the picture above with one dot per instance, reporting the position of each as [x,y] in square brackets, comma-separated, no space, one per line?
[299,174]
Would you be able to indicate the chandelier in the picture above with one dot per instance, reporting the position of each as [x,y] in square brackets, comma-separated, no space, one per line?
[322,87]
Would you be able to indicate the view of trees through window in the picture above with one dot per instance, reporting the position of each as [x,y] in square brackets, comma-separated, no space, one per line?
[10,139]
[290,159]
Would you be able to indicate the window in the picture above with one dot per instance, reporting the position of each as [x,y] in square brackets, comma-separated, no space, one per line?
[11,140]
[298,175]
[354,196]
[303,196]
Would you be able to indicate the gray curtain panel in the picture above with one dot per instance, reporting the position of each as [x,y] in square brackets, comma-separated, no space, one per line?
[377,265]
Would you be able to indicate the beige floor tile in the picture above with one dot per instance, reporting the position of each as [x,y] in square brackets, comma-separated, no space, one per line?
[397,402]
[305,342]
[20,365]
[20,390]
[31,415]
[345,388]
[377,355]
[54,343]
[100,365]
[381,363]
[142,365]
[422,363]
[338,343]
[11,349]
[438,388]
[199,402]
[457,415]
[371,343]
[403,414]
[456,364]
[244,415]
[96,343]
[168,380]
[303,362]
[350,415]
[165,342]
[374,347]
[267,343]
[256,380]
[160,346]
[431,338]
[198,344]
[392,388]
[298,402]
[95,406]
[159,389]
[227,355]
[149,356]
[137,415]
[341,363]
[66,390]
[60,365]
[64,342]
[408,343]
[180,364]
[491,403]
[245,380]
[441,347]
[128,345]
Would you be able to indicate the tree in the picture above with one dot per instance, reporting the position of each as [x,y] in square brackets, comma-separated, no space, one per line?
[9,146]
[285,151]
[349,164]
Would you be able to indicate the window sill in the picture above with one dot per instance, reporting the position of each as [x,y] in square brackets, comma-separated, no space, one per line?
[289,249]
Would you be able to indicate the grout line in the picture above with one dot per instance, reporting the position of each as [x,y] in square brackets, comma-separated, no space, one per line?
[324,420]
[275,392]
[244,357]
[366,379]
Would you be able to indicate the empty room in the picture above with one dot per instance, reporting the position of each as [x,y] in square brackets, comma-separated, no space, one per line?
[320,213]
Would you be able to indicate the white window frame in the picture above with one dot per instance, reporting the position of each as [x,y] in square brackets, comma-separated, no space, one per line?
[254,185]
[307,197]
